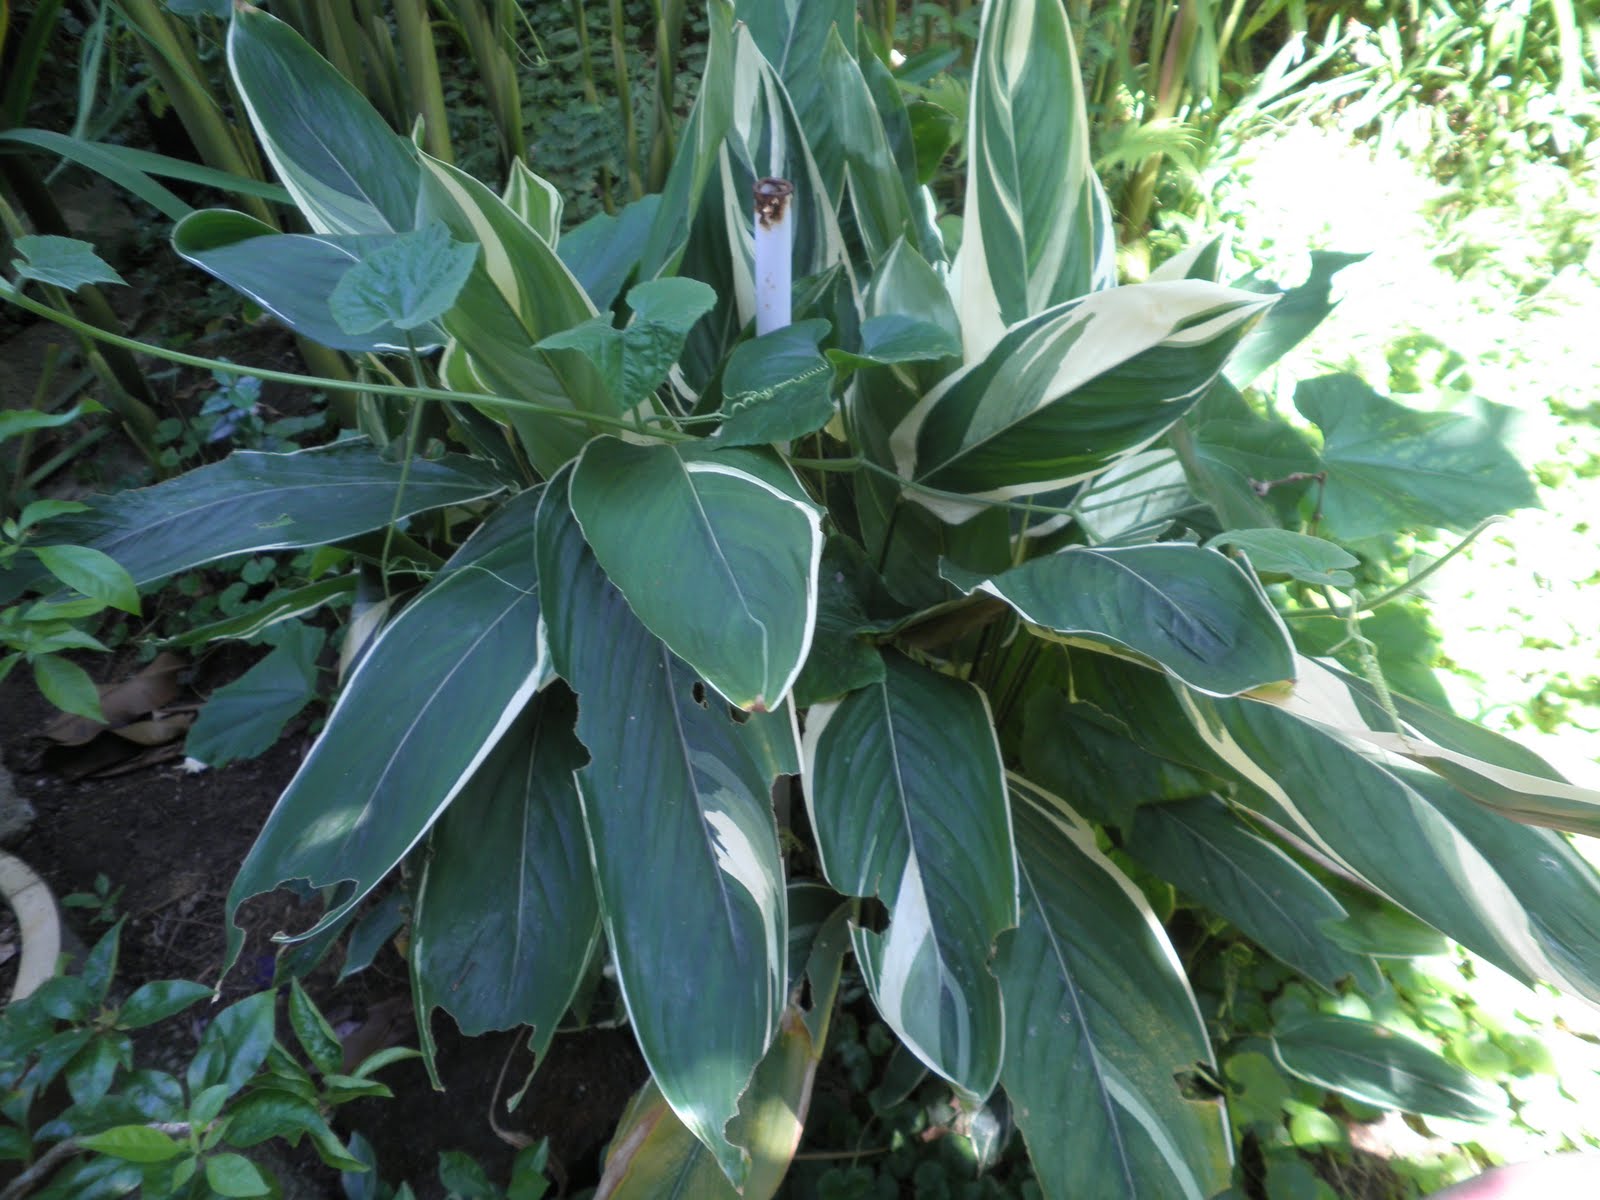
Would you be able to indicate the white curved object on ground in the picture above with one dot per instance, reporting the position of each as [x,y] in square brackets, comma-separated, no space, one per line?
[38,921]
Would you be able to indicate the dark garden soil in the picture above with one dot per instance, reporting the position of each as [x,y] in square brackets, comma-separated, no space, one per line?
[172,841]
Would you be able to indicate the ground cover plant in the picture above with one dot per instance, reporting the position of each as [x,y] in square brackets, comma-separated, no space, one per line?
[948,623]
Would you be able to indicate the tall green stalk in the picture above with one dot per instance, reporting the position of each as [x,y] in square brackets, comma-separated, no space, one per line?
[421,61]
[669,39]
[630,134]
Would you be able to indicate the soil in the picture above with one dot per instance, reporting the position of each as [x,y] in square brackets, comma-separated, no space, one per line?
[172,842]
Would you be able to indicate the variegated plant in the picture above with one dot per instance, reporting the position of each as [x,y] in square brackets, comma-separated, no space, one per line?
[713,658]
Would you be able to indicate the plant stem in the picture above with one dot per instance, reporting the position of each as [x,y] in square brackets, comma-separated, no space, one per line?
[336,385]
[630,135]
[422,75]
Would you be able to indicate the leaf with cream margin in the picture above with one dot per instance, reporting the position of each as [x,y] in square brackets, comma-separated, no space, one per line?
[1037,228]
[1194,612]
[676,803]
[1520,786]
[1100,1022]
[717,552]
[1067,393]
[907,798]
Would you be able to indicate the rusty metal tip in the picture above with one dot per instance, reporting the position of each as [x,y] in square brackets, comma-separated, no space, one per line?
[772,199]
[771,188]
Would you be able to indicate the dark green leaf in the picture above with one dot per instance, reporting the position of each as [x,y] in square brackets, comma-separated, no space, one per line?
[506,911]
[463,1178]
[676,801]
[312,1031]
[234,1045]
[264,1115]
[896,338]
[776,387]
[90,1074]
[1099,1022]
[254,501]
[67,686]
[244,718]
[427,703]
[603,251]
[905,790]
[235,1175]
[152,1002]
[1287,323]
[1192,611]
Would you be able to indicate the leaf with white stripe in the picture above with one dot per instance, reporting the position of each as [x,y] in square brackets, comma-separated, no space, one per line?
[677,806]
[506,912]
[346,169]
[907,799]
[1195,612]
[433,695]
[1100,1022]
[1065,394]
[1479,878]
[716,551]
[1037,227]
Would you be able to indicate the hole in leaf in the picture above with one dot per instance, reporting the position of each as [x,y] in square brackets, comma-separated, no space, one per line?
[699,693]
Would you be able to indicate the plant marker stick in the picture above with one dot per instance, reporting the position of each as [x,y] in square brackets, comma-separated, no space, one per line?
[774,253]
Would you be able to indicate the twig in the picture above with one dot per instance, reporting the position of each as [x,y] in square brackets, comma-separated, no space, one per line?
[23,1184]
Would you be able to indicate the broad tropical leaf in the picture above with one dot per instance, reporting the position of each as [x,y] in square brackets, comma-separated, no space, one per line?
[792,35]
[1301,310]
[1390,467]
[653,1155]
[1067,393]
[1200,847]
[1037,227]
[872,177]
[506,914]
[676,802]
[346,169]
[776,387]
[1489,883]
[1100,1024]
[717,553]
[1380,1067]
[907,799]
[253,501]
[291,275]
[421,712]
[1192,611]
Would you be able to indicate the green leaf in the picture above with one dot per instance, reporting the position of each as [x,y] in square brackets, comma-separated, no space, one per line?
[676,801]
[156,1001]
[264,1115]
[506,915]
[1099,1021]
[840,661]
[1207,853]
[133,1143]
[425,706]
[16,423]
[1236,451]
[1391,468]
[243,719]
[406,283]
[346,169]
[1309,559]
[934,131]
[291,275]
[1520,897]
[897,338]
[518,293]
[536,200]
[89,1075]
[63,261]
[278,607]
[1380,1067]
[1065,394]
[603,252]
[872,178]
[776,387]
[1192,611]
[1135,501]
[717,553]
[1037,226]
[67,686]
[1289,321]
[235,1175]
[91,572]
[312,1031]
[43,510]
[234,1045]
[907,798]
[253,501]
[634,361]
[463,1178]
